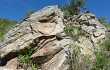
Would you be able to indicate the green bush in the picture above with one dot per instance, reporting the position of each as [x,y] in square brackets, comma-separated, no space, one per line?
[73,31]
[73,8]
[66,14]
[106,44]
[75,57]
[101,62]
[103,21]
[103,56]
[5,26]
[29,12]
[86,60]
[24,59]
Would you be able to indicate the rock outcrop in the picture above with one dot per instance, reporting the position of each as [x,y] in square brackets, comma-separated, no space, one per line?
[41,30]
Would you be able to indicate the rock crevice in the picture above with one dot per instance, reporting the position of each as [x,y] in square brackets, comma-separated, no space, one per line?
[44,31]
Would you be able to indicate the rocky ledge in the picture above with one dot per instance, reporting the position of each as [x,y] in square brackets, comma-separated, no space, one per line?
[44,31]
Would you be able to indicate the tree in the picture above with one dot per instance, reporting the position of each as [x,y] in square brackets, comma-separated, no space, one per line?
[102,20]
[29,12]
[73,8]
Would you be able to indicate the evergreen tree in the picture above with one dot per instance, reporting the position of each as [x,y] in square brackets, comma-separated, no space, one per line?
[73,8]
[29,12]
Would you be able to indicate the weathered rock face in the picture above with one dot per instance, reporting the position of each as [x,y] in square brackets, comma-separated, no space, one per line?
[40,31]
[95,30]
[93,27]
[12,64]
[38,25]
[59,62]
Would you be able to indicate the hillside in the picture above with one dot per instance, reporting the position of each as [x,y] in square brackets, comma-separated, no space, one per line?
[47,41]
[5,25]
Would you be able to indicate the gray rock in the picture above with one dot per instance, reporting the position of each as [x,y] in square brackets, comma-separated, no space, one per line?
[41,30]
[47,22]
[59,61]
[3,68]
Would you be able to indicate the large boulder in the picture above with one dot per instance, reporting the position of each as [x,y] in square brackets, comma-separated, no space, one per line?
[43,24]
[59,62]
[44,31]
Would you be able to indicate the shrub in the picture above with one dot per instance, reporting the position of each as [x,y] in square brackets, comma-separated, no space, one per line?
[5,26]
[80,61]
[75,57]
[103,56]
[106,44]
[103,21]
[24,59]
[66,14]
[29,12]
[86,59]
[73,8]
[74,31]
[101,62]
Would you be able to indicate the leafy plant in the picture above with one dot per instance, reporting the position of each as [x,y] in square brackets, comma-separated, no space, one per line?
[103,21]
[24,59]
[73,31]
[106,44]
[73,8]
[5,26]
[101,61]
[29,12]
[103,56]
[75,57]
[33,67]
[86,62]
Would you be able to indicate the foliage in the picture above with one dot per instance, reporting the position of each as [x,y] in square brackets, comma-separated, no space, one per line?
[73,31]
[64,8]
[33,67]
[5,25]
[79,61]
[76,49]
[24,58]
[86,60]
[75,57]
[66,14]
[106,44]
[103,21]
[101,62]
[73,8]
[29,12]
[103,56]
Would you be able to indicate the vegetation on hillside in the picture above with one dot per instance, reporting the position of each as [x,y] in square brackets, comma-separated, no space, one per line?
[24,60]
[29,12]
[102,61]
[74,31]
[73,8]
[5,25]
[104,22]
[102,56]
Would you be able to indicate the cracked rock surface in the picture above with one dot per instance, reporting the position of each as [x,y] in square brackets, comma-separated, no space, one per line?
[40,29]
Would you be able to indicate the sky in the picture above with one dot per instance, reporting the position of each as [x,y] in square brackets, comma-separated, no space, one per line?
[16,9]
